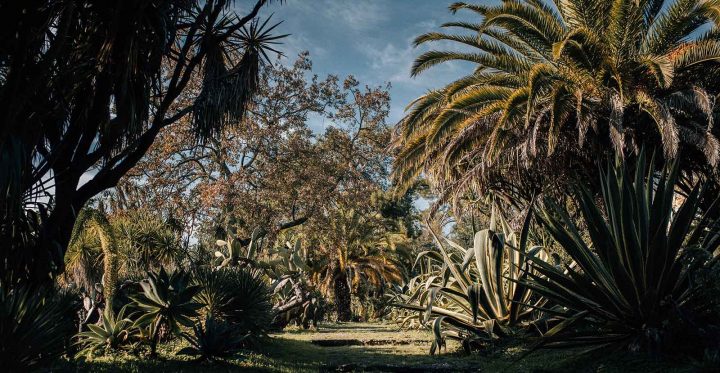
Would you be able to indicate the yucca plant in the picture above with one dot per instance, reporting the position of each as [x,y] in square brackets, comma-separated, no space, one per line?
[166,300]
[145,241]
[212,339]
[81,257]
[114,333]
[474,303]
[632,279]
[35,326]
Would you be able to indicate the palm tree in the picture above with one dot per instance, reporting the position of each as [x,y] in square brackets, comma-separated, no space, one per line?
[361,253]
[556,84]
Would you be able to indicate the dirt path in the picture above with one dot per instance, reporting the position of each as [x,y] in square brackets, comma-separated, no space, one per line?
[365,347]
[351,347]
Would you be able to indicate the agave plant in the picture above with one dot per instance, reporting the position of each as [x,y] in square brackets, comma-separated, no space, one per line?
[632,282]
[239,296]
[474,304]
[211,340]
[166,300]
[114,333]
[34,327]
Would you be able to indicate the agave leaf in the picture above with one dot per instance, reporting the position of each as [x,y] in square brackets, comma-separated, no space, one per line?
[473,296]
[437,333]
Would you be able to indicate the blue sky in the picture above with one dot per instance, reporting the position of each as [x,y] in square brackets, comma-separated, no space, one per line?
[370,39]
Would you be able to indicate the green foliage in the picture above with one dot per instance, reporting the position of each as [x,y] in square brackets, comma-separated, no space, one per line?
[558,83]
[474,303]
[631,283]
[81,258]
[24,261]
[239,296]
[213,339]
[293,298]
[145,241]
[114,333]
[166,300]
[123,245]
[35,326]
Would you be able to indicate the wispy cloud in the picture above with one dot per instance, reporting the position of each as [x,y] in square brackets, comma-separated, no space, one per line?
[357,15]
[395,62]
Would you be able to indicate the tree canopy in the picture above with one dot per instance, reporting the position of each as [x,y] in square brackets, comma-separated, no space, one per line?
[558,84]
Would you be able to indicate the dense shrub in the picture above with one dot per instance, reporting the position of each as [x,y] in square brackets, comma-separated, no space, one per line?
[239,296]
[35,326]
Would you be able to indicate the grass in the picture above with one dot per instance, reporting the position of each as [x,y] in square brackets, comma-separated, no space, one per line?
[370,347]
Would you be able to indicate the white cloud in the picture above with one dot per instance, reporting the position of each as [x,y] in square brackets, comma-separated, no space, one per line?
[394,63]
[356,15]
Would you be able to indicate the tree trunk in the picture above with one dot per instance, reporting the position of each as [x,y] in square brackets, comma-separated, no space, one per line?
[342,297]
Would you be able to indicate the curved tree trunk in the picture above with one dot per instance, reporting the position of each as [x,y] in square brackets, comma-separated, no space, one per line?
[342,297]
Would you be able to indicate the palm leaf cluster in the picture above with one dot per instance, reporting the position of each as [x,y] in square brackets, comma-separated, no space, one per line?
[366,253]
[474,294]
[632,281]
[557,83]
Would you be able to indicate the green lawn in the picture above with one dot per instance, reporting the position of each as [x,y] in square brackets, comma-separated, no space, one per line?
[371,347]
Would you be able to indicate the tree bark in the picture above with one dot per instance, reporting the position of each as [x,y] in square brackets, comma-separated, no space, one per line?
[342,297]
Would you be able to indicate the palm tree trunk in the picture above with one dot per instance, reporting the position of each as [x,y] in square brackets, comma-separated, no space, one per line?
[342,297]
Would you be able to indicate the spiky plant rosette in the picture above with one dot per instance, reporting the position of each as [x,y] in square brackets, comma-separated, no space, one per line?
[632,281]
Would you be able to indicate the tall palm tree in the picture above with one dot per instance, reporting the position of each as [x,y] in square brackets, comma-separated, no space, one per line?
[362,252]
[558,83]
